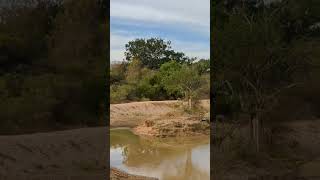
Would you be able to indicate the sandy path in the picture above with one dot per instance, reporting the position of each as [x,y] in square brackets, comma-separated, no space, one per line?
[73,154]
[132,114]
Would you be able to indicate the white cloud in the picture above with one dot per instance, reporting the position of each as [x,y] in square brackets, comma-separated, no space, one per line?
[192,49]
[194,14]
[116,54]
[191,15]
[118,41]
[117,45]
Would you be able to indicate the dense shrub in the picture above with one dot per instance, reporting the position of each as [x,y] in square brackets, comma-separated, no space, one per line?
[170,81]
[52,72]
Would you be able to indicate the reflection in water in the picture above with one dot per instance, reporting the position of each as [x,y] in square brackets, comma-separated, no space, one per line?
[167,159]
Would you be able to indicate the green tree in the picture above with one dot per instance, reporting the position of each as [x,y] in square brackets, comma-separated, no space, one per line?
[181,78]
[202,66]
[152,52]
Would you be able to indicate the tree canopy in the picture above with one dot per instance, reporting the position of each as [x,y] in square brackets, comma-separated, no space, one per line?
[152,52]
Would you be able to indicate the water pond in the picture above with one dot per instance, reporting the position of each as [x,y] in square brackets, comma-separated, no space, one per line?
[166,159]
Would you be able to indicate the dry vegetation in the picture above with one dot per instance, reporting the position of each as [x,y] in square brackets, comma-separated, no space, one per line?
[160,118]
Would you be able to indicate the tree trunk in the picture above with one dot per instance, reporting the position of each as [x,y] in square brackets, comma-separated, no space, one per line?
[190,102]
[251,128]
[256,132]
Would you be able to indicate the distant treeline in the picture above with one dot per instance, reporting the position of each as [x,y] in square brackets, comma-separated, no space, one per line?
[53,56]
[153,71]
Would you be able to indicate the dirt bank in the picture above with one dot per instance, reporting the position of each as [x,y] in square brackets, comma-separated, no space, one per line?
[116,174]
[132,114]
[73,154]
[174,127]
[294,152]
[160,118]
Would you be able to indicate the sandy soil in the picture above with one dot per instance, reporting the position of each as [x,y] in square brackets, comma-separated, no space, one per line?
[174,127]
[159,118]
[73,154]
[117,174]
[133,114]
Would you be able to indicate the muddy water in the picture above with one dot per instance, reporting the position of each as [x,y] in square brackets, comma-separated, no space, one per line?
[166,159]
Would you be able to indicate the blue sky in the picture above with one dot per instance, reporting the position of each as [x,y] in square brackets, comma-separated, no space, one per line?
[186,23]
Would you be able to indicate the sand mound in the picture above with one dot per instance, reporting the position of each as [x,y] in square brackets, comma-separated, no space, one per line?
[135,113]
[187,126]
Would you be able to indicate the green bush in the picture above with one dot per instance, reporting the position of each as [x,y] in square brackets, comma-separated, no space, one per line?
[120,93]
